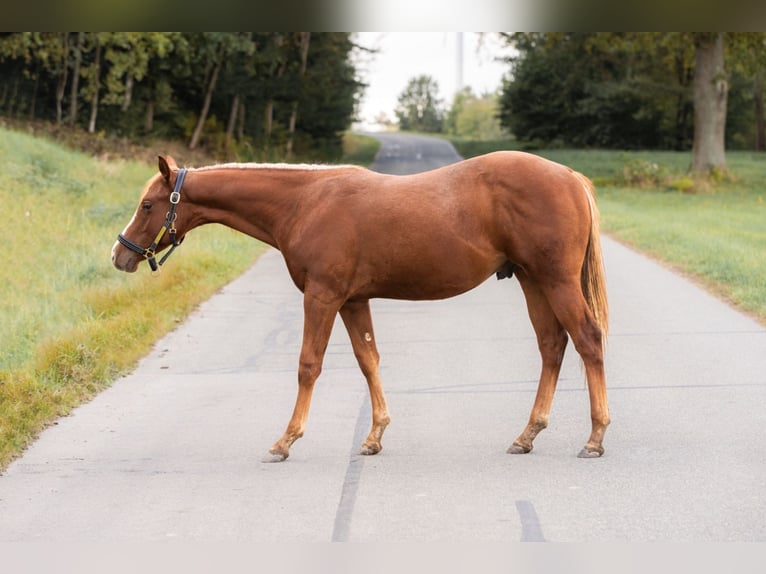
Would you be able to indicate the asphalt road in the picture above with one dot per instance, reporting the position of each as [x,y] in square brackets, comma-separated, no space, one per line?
[173,450]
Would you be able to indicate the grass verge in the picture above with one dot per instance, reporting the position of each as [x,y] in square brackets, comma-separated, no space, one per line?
[359,149]
[718,238]
[70,322]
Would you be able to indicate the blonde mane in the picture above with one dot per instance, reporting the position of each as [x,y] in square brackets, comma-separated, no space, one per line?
[283,166]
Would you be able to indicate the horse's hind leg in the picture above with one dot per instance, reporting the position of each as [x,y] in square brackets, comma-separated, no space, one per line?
[567,301]
[358,321]
[552,342]
[317,326]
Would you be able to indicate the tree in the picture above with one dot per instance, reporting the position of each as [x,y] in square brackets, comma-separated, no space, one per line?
[606,90]
[134,57]
[216,48]
[668,90]
[711,88]
[60,60]
[168,57]
[273,64]
[305,40]
[329,94]
[95,85]
[474,117]
[213,51]
[746,56]
[74,88]
[419,106]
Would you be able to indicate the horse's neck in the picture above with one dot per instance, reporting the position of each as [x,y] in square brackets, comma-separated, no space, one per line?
[257,201]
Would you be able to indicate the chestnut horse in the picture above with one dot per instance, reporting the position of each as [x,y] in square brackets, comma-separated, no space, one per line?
[348,234]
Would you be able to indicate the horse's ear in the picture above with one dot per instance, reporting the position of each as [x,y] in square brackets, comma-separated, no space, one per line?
[167,165]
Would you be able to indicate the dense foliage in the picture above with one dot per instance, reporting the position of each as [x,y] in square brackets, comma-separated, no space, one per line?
[474,117]
[244,94]
[626,90]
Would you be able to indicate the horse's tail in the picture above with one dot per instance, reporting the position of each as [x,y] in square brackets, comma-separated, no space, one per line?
[592,276]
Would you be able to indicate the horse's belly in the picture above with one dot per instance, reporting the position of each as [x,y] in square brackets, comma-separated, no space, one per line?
[430,278]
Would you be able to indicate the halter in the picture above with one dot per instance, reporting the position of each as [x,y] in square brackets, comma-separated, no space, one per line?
[169,226]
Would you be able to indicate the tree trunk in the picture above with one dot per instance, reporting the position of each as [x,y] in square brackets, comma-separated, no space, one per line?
[96,82]
[711,89]
[291,131]
[206,104]
[34,95]
[61,84]
[268,120]
[232,121]
[241,118]
[305,40]
[128,93]
[149,116]
[60,89]
[4,96]
[13,101]
[760,128]
[684,108]
[75,80]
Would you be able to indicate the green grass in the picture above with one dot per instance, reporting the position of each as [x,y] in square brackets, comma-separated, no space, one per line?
[359,149]
[70,323]
[720,238]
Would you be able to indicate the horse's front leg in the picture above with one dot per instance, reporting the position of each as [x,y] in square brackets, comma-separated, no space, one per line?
[358,321]
[318,319]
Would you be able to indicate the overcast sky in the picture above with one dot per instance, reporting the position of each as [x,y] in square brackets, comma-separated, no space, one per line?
[404,55]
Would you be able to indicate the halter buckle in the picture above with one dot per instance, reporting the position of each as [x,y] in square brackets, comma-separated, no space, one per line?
[175,197]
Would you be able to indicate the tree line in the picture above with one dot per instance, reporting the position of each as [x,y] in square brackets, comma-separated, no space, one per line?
[249,95]
[666,90]
[470,116]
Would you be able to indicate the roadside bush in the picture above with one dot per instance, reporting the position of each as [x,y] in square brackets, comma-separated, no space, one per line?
[643,173]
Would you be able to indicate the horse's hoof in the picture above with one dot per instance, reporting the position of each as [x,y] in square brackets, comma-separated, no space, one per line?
[370,449]
[274,457]
[590,453]
[516,448]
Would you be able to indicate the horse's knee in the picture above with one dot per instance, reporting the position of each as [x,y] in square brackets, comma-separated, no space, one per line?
[368,363]
[308,372]
[552,347]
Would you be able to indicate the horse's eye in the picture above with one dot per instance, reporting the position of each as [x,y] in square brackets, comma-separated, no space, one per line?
[146,206]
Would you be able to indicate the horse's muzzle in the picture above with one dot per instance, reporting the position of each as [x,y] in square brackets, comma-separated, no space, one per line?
[123,259]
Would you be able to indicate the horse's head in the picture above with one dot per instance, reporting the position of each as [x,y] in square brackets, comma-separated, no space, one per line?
[153,227]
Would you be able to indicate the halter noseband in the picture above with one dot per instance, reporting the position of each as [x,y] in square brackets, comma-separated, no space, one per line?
[169,226]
